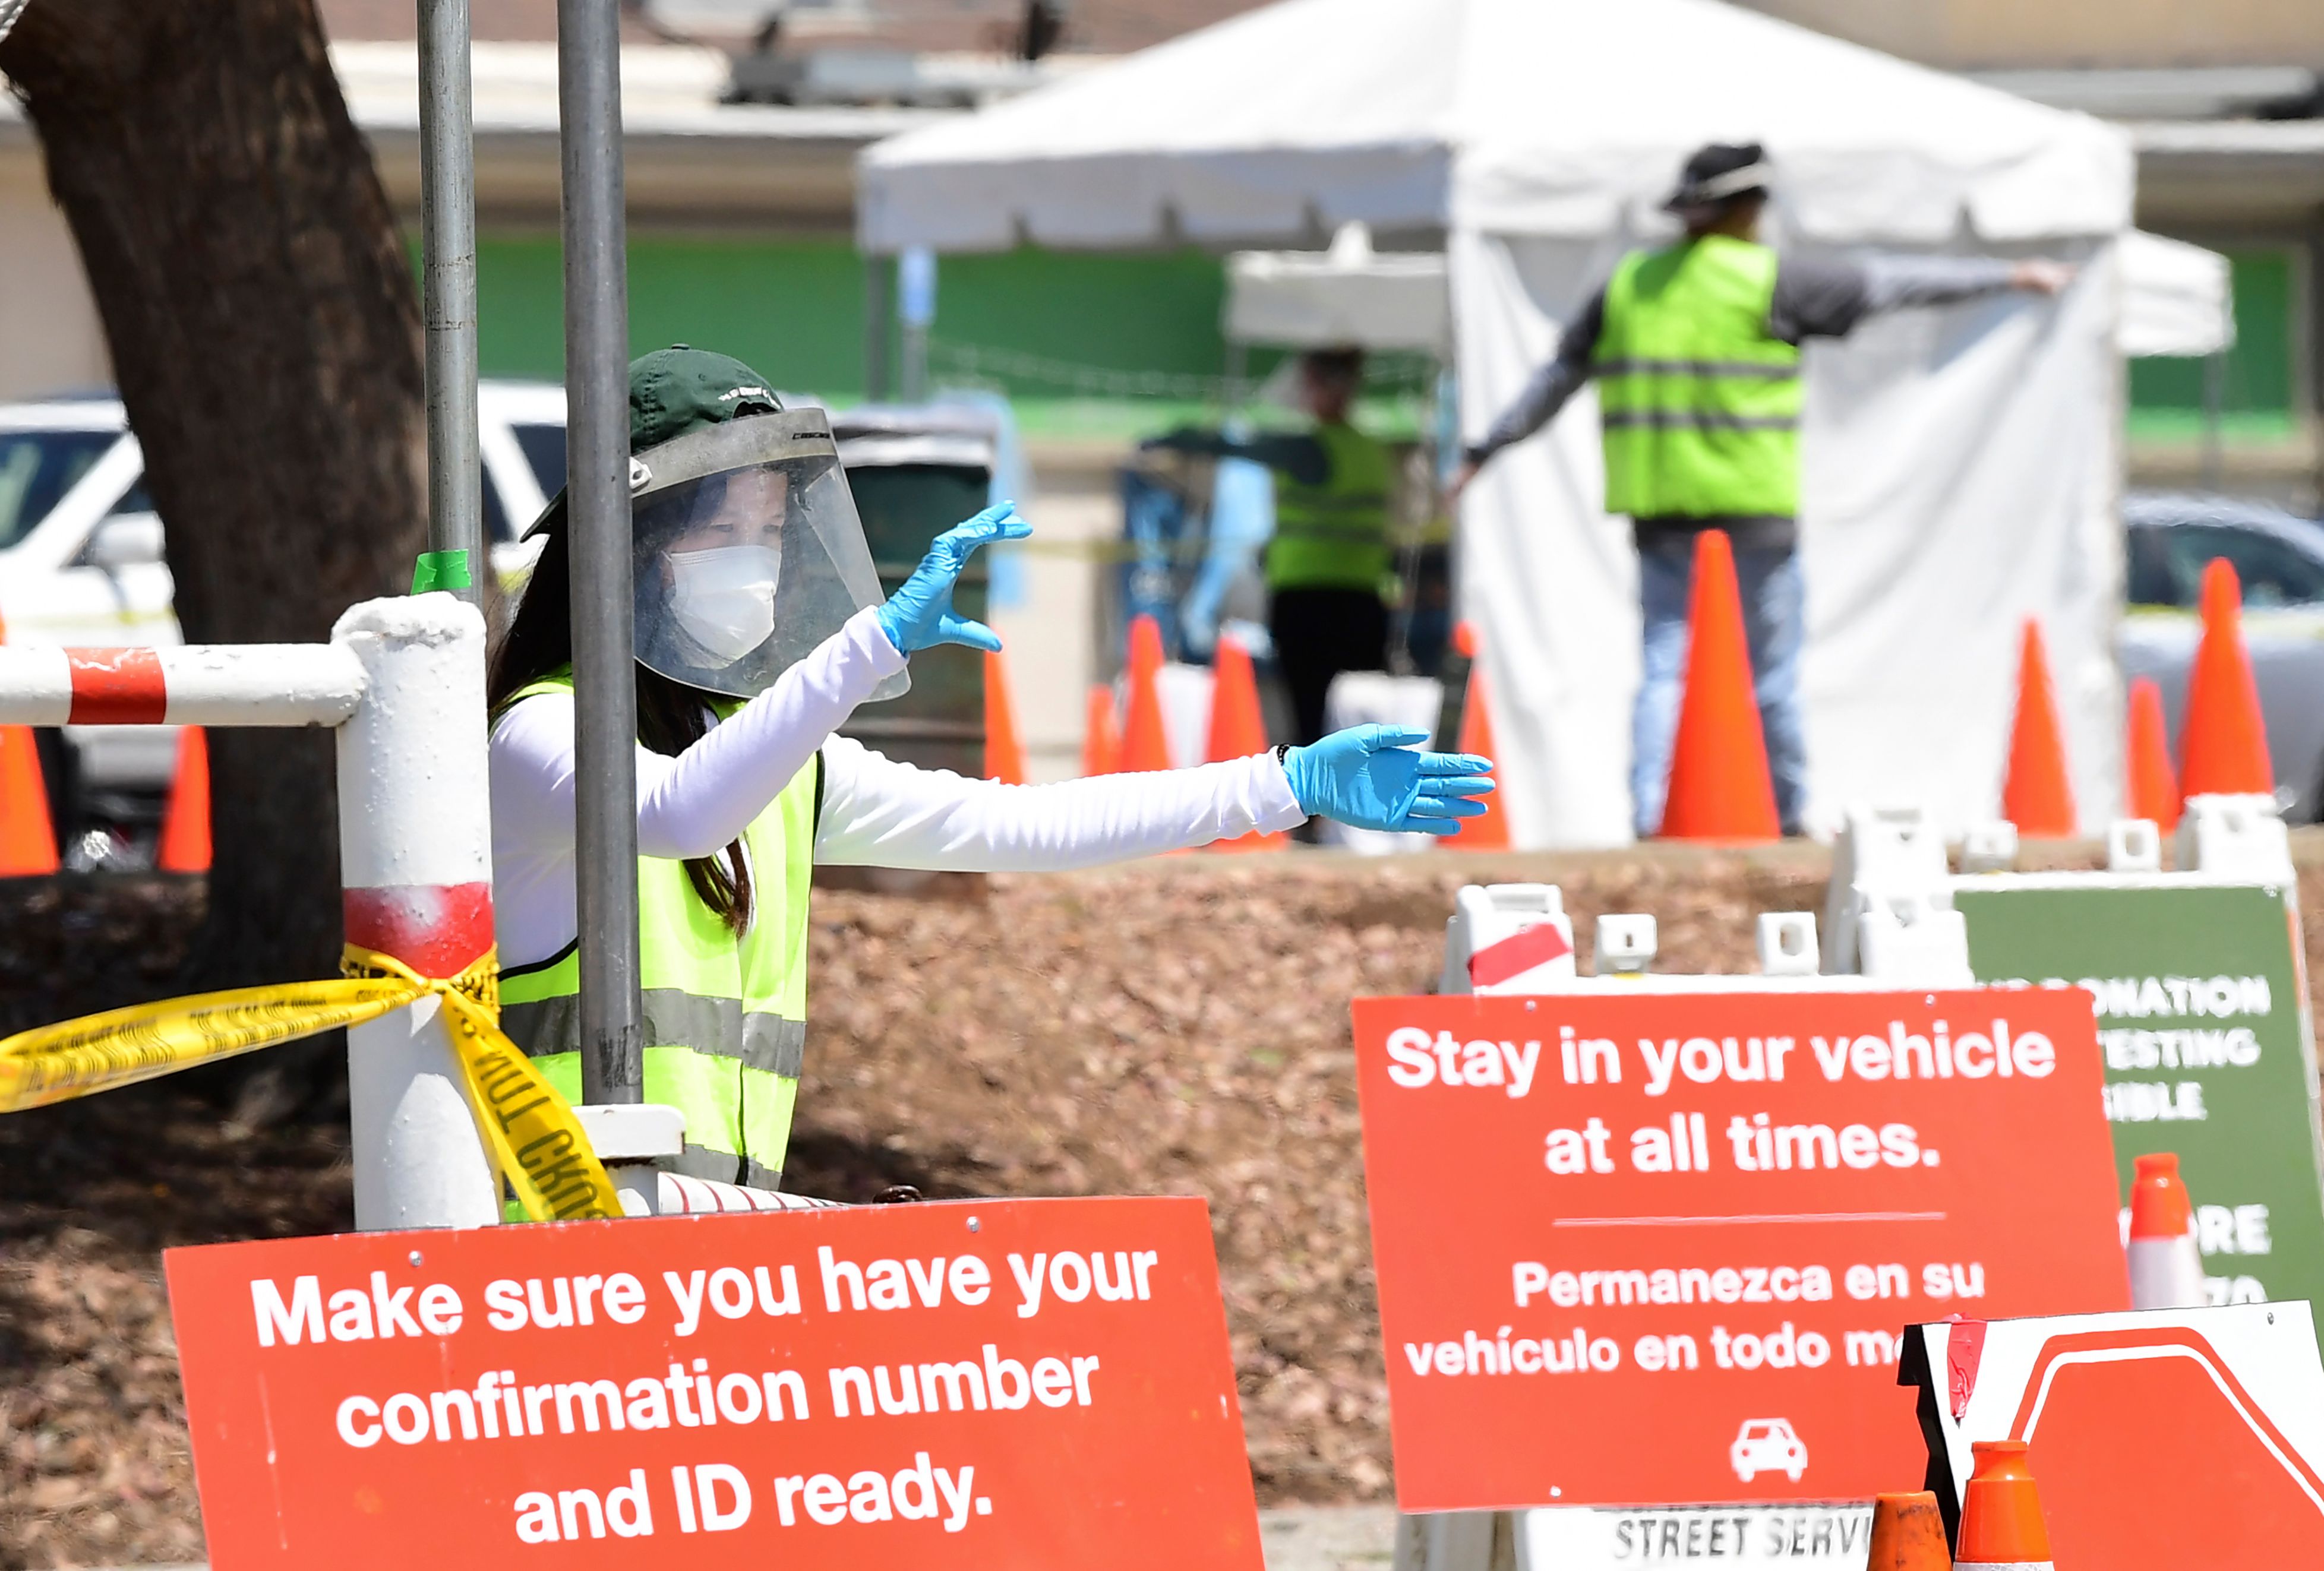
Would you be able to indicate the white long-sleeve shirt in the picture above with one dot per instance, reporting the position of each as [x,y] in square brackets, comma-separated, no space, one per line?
[876,812]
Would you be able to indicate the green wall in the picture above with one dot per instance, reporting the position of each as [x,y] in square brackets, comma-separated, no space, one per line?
[2261,383]
[794,309]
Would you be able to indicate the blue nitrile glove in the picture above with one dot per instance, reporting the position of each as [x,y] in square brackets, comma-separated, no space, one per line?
[1369,776]
[919,613]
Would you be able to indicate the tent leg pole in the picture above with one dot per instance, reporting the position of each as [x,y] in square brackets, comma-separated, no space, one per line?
[2215,399]
[879,323]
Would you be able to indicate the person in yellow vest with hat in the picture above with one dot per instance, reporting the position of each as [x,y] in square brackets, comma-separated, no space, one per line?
[759,628]
[1695,348]
[1330,562]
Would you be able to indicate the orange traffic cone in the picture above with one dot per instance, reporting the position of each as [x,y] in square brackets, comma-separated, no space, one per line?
[1907,1534]
[2153,787]
[2035,795]
[28,836]
[186,827]
[1102,740]
[1488,831]
[2001,1522]
[1237,728]
[2223,741]
[1144,744]
[1005,755]
[2166,1266]
[1719,786]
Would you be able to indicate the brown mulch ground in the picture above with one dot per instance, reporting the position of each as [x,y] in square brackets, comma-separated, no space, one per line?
[1177,1028]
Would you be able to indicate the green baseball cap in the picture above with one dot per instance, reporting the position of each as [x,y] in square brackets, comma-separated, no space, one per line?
[680,388]
[675,390]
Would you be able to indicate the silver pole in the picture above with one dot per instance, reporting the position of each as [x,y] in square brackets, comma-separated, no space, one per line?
[879,318]
[2215,404]
[597,497]
[447,225]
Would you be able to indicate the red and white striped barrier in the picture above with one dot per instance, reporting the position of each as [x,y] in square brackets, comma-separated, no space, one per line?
[268,684]
[403,681]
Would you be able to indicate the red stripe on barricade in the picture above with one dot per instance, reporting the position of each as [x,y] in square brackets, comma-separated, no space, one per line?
[116,687]
[436,929]
[1534,946]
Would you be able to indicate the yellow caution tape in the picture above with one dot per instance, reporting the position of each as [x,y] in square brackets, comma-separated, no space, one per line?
[535,1141]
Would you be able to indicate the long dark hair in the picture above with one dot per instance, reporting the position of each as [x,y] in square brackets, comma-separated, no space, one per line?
[671,718]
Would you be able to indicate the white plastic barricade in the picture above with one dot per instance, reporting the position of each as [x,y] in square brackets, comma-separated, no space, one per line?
[1879,850]
[1507,938]
[2234,837]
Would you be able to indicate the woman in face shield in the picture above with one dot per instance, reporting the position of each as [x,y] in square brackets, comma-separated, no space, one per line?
[759,628]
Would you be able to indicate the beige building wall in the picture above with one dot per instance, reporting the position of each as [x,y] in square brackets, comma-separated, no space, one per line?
[2067,34]
[51,340]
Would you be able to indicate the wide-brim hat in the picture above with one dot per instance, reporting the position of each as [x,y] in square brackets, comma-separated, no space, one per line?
[1719,173]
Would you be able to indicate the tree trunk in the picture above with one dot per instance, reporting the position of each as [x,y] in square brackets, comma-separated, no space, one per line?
[265,334]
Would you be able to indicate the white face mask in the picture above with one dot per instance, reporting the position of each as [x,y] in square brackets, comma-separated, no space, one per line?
[725,598]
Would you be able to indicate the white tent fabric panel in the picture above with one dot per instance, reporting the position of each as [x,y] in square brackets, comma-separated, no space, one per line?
[1529,116]
[1959,475]
[1349,294]
[2177,299]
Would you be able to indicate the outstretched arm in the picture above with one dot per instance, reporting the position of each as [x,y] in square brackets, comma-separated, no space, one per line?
[878,812]
[1291,452]
[694,803]
[1827,299]
[1546,393]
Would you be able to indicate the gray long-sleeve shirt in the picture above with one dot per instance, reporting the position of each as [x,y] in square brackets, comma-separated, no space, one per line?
[1812,300]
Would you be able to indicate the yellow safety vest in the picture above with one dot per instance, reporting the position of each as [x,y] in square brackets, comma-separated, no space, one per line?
[1334,535]
[1700,408]
[726,1018]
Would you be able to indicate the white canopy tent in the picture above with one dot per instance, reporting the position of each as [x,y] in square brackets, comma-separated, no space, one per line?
[2177,299]
[1962,466]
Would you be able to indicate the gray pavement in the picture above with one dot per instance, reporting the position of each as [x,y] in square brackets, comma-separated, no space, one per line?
[1304,1537]
[1328,1538]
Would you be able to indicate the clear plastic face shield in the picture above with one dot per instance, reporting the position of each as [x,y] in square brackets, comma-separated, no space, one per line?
[747,552]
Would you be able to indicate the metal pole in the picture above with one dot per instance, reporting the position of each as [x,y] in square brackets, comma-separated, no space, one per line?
[597,497]
[2215,403]
[447,225]
[878,314]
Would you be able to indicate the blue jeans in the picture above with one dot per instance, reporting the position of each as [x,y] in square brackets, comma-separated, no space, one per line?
[1775,615]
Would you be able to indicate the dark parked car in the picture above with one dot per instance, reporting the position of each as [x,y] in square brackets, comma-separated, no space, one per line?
[2280,560]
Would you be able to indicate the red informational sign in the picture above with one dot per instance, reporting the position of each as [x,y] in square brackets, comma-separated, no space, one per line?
[1021,1383]
[1644,1247]
[2161,1441]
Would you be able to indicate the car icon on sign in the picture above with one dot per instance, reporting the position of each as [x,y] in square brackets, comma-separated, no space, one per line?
[1767,1446]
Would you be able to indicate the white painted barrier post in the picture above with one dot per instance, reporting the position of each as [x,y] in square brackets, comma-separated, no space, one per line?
[415,858]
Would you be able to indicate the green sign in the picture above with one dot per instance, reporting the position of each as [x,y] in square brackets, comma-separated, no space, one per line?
[2203,1024]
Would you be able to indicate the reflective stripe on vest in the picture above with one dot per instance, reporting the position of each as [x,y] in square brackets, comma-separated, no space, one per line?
[1334,535]
[1699,407]
[726,1018]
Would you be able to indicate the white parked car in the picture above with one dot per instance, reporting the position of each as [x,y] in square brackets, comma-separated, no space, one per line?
[81,559]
